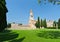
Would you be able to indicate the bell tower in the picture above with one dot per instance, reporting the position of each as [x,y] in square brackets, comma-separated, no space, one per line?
[31,15]
[31,19]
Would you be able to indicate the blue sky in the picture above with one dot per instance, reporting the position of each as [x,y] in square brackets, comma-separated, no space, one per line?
[18,11]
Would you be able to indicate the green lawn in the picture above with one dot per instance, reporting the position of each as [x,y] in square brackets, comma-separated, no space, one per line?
[39,35]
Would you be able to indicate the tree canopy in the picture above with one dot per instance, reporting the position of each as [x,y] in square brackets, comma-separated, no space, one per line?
[50,1]
[3,6]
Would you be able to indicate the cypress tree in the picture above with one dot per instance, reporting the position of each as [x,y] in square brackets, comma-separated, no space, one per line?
[54,24]
[44,23]
[59,23]
[3,11]
[38,23]
[41,23]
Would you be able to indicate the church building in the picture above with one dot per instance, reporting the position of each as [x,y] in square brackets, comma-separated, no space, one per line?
[31,24]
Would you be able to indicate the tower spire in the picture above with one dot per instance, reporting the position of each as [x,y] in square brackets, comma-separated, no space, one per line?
[30,10]
[31,15]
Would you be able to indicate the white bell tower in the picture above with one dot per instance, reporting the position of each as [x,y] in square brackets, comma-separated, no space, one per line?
[31,19]
[31,15]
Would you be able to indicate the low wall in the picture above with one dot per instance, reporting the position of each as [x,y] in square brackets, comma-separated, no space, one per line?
[20,27]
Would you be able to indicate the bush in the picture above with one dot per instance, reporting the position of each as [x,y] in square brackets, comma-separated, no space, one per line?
[49,34]
[59,27]
[51,28]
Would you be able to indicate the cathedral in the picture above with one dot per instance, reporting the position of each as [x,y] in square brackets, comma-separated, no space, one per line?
[31,24]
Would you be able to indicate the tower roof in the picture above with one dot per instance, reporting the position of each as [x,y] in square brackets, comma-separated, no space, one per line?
[30,10]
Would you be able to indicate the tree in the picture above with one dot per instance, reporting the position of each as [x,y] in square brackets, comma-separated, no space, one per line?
[54,24]
[38,23]
[3,11]
[59,23]
[44,23]
[9,25]
[41,23]
[20,24]
[50,1]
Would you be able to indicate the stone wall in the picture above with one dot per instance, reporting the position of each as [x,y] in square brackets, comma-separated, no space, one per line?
[21,27]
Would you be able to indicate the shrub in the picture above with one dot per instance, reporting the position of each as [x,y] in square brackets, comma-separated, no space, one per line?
[51,28]
[49,34]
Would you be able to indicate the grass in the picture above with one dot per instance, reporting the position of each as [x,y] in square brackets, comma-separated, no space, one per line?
[38,35]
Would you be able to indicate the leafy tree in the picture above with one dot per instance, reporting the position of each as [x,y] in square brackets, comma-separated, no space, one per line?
[59,23]
[3,11]
[50,1]
[38,23]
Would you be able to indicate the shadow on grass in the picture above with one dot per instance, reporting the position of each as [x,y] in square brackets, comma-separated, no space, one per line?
[49,34]
[18,40]
[8,35]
